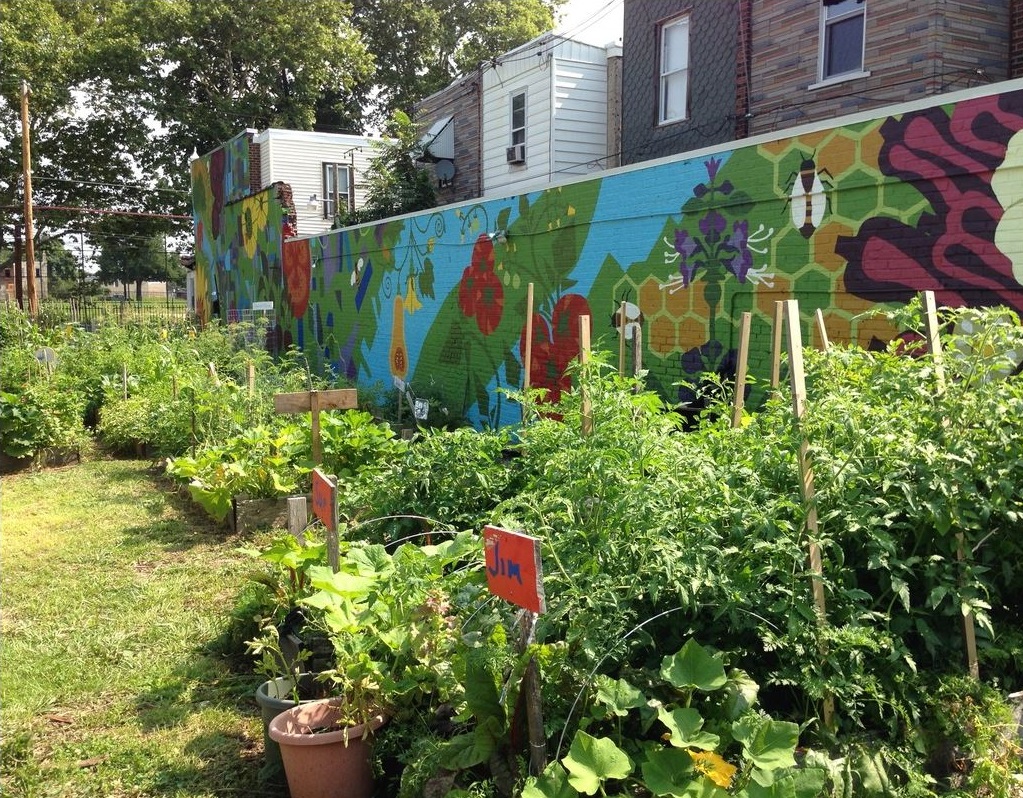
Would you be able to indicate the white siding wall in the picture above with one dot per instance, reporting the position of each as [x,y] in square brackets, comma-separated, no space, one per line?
[297,158]
[580,117]
[499,86]
[566,112]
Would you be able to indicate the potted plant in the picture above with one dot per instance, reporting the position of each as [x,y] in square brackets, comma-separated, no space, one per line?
[392,633]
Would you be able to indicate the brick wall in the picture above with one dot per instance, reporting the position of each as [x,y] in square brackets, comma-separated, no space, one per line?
[713,45]
[462,101]
[1016,39]
[913,49]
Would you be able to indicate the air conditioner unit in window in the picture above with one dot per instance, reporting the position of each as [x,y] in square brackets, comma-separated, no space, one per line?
[516,153]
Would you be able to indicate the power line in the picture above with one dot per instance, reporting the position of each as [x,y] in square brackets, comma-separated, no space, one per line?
[111,185]
[103,211]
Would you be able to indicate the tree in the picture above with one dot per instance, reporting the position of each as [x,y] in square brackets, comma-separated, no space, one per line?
[63,270]
[218,67]
[133,251]
[90,141]
[394,183]
[420,46]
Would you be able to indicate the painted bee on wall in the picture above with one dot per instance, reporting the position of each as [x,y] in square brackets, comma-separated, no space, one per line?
[807,200]
[633,317]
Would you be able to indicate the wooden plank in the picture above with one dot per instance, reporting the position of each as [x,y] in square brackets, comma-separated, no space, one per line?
[797,381]
[298,517]
[300,402]
[779,325]
[314,410]
[740,370]
[934,338]
[825,341]
[621,339]
[252,378]
[527,356]
[584,356]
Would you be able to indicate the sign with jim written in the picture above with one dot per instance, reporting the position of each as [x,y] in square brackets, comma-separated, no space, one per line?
[514,571]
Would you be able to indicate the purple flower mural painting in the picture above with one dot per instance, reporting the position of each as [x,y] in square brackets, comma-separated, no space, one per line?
[709,252]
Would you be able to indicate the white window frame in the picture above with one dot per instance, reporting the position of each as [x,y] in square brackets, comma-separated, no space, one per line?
[517,133]
[826,23]
[673,76]
[332,195]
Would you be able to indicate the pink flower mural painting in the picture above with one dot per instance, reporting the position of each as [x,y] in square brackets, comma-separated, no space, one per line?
[480,293]
[951,248]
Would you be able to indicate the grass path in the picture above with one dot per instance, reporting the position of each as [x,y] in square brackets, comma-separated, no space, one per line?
[113,589]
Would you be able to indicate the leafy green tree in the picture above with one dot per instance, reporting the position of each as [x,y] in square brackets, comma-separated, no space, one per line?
[218,67]
[395,184]
[420,46]
[63,270]
[83,62]
[133,251]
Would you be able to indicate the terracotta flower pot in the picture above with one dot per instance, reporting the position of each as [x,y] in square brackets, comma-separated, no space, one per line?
[321,759]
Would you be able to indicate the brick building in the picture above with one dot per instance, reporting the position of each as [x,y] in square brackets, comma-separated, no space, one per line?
[703,72]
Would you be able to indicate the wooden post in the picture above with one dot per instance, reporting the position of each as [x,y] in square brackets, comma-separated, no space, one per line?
[797,380]
[252,378]
[527,356]
[584,357]
[314,409]
[637,352]
[313,402]
[779,324]
[213,375]
[621,338]
[934,339]
[124,379]
[298,517]
[26,167]
[534,707]
[937,358]
[740,369]
[825,342]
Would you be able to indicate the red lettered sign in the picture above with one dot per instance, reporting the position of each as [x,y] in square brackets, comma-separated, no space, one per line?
[514,571]
[325,499]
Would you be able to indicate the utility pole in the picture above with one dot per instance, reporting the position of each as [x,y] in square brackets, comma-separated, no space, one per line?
[26,166]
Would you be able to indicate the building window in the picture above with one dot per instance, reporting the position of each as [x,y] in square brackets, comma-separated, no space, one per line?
[337,189]
[842,26]
[674,85]
[518,118]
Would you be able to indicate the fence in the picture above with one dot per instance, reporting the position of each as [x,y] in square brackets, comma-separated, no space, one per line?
[91,313]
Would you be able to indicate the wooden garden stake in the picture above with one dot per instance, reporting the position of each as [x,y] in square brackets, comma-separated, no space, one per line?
[937,357]
[213,375]
[527,356]
[124,379]
[825,341]
[797,380]
[313,402]
[252,378]
[584,356]
[637,354]
[298,517]
[740,369]
[933,339]
[779,324]
[515,573]
[621,338]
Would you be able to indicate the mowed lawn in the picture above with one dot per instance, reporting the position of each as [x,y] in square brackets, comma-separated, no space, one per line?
[114,682]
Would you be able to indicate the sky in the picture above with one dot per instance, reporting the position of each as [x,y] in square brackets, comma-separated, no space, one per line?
[593,21]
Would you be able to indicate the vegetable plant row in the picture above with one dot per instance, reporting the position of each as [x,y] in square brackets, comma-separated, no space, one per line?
[681,653]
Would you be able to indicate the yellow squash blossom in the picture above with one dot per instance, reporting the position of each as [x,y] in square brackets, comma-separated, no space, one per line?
[713,767]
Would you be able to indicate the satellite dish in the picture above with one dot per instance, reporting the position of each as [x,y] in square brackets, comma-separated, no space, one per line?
[445,171]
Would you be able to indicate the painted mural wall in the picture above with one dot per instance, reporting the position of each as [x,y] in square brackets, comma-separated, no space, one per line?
[844,219]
